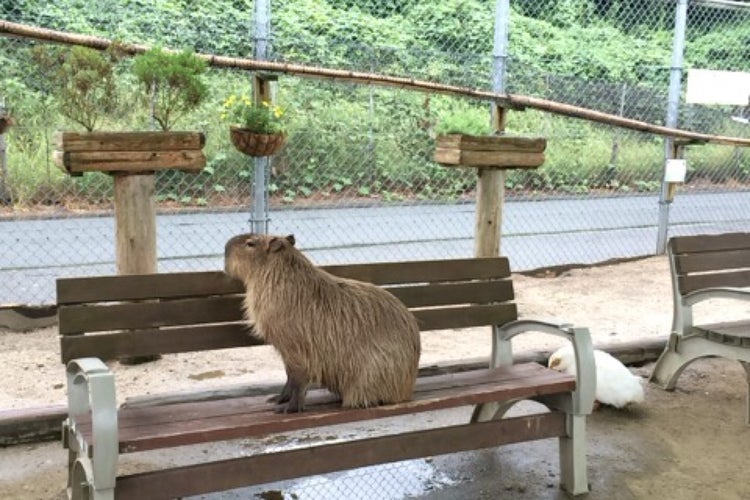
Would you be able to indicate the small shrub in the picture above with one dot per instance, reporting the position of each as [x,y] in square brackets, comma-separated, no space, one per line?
[470,120]
[82,80]
[173,80]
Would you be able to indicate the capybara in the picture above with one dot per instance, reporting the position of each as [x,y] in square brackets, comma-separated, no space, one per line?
[355,339]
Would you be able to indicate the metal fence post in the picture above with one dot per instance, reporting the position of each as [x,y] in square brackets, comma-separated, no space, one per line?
[4,191]
[261,34]
[673,106]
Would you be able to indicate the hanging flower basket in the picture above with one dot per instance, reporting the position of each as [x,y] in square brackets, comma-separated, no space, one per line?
[255,144]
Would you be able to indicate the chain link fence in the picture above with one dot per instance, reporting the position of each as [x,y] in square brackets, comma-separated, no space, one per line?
[356,180]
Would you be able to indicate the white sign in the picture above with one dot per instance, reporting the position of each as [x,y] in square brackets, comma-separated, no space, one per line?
[706,86]
[675,171]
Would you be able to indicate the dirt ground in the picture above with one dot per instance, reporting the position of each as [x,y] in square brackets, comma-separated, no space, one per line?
[690,443]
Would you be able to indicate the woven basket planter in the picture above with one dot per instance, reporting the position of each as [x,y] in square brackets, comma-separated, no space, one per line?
[255,144]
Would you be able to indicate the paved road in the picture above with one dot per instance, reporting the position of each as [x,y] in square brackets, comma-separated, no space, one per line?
[536,234]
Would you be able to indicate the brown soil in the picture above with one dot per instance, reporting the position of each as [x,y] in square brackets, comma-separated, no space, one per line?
[690,443]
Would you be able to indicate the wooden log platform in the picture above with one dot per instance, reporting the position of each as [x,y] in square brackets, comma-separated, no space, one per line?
[129,152]
[490,151]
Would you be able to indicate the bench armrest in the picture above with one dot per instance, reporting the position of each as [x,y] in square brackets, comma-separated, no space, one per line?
[682,314]
[693,298]
[585,392]
[91,389]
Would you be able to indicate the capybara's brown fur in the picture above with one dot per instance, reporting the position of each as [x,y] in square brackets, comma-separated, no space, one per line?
[354,338]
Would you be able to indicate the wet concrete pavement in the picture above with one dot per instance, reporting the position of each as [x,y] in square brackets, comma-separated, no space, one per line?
[687,444]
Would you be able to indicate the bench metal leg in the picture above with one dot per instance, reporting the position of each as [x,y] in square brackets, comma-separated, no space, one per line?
[681,351]
[92,465]
[573,477]
[675,357]
[573,473]
[491,411]
[81,483]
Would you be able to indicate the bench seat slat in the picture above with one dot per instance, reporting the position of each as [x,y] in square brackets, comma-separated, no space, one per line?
[131,417]
[261,424]
[192,284]
[710,243]
[735,333]
[151,428]
[265,468]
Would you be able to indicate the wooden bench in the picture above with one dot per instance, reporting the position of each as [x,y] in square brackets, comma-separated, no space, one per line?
[104,318]
[706,267]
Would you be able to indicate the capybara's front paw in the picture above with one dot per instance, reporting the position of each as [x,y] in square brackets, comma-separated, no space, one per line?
[279,398]
[284,396]
[288,408]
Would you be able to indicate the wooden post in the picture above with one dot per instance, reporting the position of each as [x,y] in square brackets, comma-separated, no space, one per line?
[135,232]
[132,158]
[262,92]
[135,223]
[490,199]
[491,155]
[262,87]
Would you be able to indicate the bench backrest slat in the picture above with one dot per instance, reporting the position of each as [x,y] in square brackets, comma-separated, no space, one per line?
[164,341]
[714,261]
[430,271]
[180,285]
[81,318]
[708,261]
[144,287]
[710,242]
[114,316]
[191,338]
[130,315]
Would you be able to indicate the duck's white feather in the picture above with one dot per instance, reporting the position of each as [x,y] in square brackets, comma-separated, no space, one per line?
[615,384]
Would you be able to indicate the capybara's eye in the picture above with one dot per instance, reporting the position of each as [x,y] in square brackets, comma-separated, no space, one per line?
[250,243]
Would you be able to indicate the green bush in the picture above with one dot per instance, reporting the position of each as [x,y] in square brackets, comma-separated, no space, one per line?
[82,80]
[172,82]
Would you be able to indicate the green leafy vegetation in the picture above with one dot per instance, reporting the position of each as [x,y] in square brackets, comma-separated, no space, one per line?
[172,83]
[82,80]
[371,142]
[464,119]
[263,117]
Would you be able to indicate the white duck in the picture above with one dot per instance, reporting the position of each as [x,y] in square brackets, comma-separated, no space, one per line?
[615,385]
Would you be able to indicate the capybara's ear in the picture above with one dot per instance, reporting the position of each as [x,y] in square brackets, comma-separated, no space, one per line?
[290,239]
[275,244]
